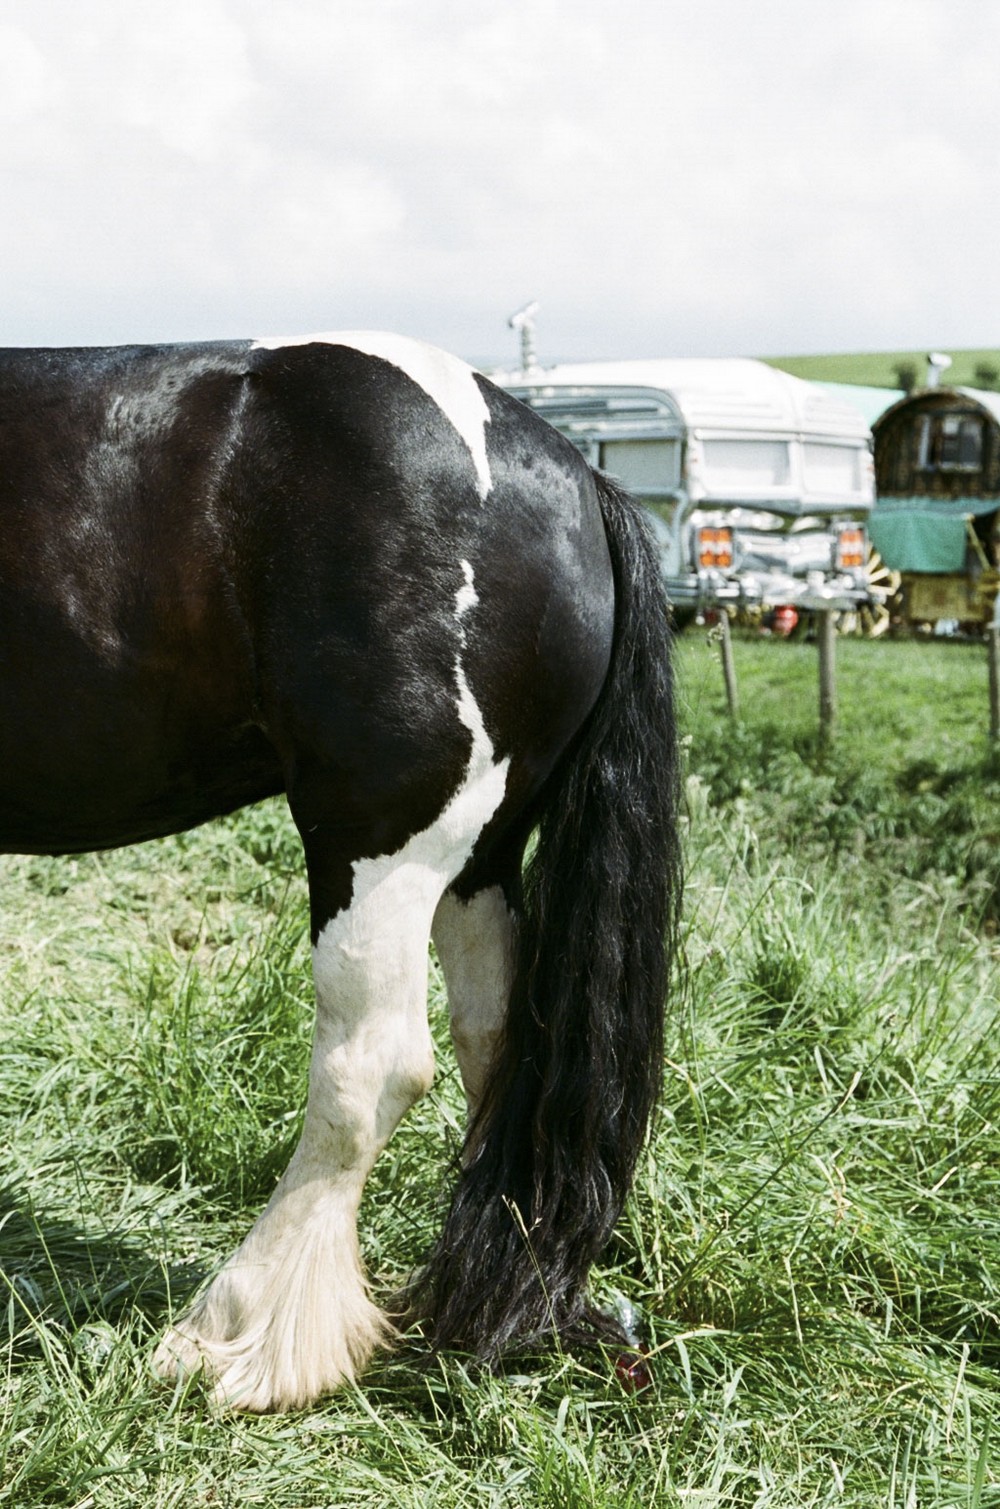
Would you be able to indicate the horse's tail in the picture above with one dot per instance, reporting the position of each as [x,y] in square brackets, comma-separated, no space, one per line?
[550,1157]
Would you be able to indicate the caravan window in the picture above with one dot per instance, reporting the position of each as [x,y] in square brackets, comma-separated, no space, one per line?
[950,443]
[831,468]
[644,466]
[752,465]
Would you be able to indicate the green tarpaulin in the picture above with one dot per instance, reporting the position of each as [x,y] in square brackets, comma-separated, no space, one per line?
[924,534]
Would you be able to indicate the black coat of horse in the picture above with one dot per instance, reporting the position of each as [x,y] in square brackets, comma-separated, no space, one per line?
[352,570]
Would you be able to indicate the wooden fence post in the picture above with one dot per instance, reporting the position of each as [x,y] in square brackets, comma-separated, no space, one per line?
[728,665]
[827,634]
[993,654]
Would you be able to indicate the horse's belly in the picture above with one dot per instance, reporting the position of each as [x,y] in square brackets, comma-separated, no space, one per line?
[63,800]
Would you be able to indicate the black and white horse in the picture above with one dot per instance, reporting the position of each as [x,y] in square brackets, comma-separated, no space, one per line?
[350,569]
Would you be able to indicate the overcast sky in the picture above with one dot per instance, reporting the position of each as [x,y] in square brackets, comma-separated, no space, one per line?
[717,177]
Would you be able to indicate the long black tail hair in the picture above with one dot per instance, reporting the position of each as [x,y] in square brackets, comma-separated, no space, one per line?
[551,1154]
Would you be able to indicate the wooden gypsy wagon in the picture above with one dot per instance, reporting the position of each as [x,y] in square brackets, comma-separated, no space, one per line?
[937,516]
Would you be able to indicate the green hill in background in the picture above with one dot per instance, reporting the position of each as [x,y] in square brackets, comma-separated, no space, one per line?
[882,369]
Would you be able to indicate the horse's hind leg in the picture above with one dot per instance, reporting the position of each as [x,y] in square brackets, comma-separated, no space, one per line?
[289,1316]
[475,939]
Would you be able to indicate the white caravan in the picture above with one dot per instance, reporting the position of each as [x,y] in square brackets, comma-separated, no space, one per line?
[759,483]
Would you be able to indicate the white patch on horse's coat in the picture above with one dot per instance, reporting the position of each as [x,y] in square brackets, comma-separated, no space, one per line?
[466,597]
[475,945]
[289,1317]
[449,381]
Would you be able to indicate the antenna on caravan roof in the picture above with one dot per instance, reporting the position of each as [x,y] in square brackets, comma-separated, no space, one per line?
[523,320]
[937,363]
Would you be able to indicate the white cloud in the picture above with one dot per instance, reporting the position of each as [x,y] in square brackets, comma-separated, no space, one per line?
[662,176]
[183,74]
[25,83]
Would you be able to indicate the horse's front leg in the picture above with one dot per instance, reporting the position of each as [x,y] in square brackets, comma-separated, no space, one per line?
[289,1316]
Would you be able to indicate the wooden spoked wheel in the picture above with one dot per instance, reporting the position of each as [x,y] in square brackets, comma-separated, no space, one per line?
[874,618]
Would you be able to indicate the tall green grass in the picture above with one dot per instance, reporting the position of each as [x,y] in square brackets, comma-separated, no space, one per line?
[812,1250]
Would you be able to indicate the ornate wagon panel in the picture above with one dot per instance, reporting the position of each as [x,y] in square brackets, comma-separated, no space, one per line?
[937,519]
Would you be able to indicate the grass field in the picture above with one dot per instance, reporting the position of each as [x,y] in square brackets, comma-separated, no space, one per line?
[812,1251]
[878,368]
